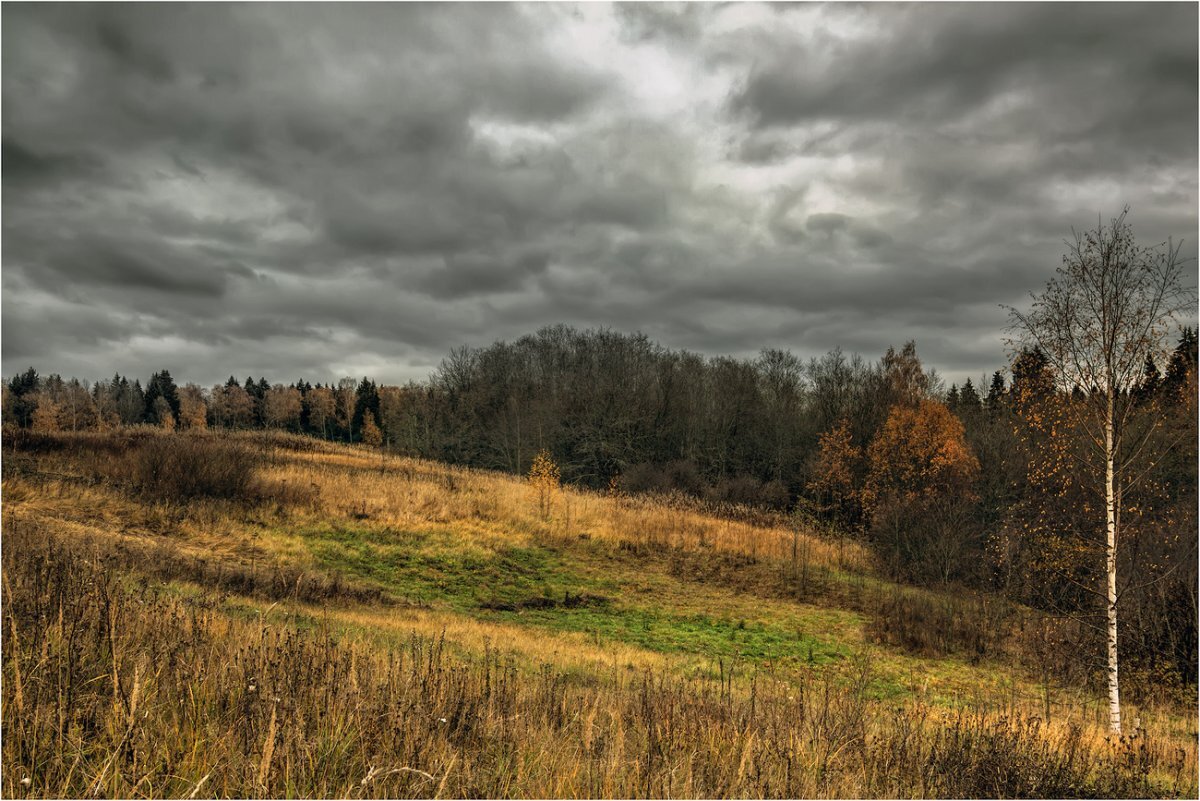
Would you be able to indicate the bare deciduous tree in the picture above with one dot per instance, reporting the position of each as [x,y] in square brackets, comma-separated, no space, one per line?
[282,406]
[1109,306]
[321,406]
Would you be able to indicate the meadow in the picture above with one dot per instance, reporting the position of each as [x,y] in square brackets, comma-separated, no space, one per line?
[259,615]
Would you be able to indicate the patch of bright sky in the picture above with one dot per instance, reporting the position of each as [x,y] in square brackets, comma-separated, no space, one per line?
[661,83]
[169,348]
[217,195]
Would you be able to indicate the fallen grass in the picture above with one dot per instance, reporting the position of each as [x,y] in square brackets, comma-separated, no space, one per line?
[130,692]
[372,553]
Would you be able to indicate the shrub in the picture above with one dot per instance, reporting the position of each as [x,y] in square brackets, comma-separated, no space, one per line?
[186,468]
[749,491]
[742,490]
[931,625]
[544,478]
[680,475]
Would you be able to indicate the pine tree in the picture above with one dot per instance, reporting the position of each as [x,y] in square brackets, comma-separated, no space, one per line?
[1147,386]
[366,399]
[1181,365]
[23,387]
[968,398]
[995,396]
[161,386]
[1031,376]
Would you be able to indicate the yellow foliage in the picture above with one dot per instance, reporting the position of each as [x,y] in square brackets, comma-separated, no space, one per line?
[47,415]
[193,412]
[920,452]
[371,435]
[544,478]
[833,475]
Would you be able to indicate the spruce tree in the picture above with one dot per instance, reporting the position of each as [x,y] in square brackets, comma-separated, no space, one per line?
[1147,386]
[1182,363]
[995,396]
[22,387]
[161,386]
[968,398]
[366,399]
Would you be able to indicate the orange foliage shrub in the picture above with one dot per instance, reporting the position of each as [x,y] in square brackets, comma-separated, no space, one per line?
[920,453]
[834,470]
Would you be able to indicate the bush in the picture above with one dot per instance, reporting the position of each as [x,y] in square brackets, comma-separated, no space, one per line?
[742,490]
[930,625]
[749,491]
[681,475]
[186,468]
[930,542]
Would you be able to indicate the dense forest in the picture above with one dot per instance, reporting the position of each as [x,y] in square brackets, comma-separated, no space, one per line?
[977,485]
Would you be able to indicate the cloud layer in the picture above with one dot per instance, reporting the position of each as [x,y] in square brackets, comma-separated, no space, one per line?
[326,190]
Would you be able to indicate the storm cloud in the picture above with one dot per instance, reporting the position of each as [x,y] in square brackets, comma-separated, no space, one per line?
[320,190]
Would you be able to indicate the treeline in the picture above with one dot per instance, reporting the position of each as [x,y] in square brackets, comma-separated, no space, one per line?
[988,487]
[348,410]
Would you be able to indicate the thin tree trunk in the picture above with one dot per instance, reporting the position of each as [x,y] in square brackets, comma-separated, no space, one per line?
[1110,553]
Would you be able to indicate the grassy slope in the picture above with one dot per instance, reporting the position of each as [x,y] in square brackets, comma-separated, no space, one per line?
[603,584]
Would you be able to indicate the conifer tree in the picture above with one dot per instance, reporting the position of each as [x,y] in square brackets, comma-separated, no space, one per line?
[1181,365]
[23,387]
[968,398]
[366,399]
[995,395]
[161,386]
[1147,387]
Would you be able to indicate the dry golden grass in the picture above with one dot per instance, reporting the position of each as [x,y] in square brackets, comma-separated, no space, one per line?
[350,482]
[234,564]
[120,691]
[406,493]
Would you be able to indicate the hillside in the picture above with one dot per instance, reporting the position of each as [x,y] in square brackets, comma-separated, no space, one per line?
[268,615]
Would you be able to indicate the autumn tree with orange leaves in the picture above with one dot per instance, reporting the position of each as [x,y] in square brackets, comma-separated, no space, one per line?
[835,470]
[371,435]
[919,490]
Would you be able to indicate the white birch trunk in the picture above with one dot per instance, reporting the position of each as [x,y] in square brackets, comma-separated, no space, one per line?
[1110,554]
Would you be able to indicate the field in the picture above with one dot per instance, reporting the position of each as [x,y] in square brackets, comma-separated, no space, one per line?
[254,615]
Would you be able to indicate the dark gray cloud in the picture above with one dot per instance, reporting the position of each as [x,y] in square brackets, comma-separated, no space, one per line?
[337,189]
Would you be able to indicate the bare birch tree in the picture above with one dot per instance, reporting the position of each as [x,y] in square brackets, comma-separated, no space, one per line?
[1109,306]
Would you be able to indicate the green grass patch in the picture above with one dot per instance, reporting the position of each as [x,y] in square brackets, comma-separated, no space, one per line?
[534,586]
[658,629]
[435,568]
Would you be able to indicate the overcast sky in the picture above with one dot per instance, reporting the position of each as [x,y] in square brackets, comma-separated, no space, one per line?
[326,190]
